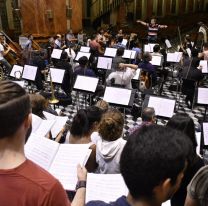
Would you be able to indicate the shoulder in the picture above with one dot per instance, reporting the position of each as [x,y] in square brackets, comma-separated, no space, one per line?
[1,47]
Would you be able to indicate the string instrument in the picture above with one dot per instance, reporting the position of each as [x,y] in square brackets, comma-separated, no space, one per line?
[14,55]
[144,81]
[36,46]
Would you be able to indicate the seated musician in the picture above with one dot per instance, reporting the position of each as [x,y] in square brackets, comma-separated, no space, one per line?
[118,58]
[70,39]
[204,54]
[58,42]
[95,47]
[3,53]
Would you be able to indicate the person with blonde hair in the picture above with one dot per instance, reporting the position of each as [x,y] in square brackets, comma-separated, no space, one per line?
[111,145]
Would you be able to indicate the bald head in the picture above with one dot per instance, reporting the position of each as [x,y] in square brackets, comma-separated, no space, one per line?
[148,114]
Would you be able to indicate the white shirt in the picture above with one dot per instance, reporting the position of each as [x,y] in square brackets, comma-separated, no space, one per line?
[1,52]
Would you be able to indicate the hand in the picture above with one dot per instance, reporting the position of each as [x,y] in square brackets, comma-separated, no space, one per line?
[121,65]
[166,26]
[138,21]
[81,173]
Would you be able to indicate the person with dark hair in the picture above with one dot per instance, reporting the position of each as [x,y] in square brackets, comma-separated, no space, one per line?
[83,125]
[185,124]
[19,175]
[111,144]
[152,164]
[118,59]
[95,47]
[153,29]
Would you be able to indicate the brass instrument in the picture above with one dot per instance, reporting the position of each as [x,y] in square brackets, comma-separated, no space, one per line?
[53,99]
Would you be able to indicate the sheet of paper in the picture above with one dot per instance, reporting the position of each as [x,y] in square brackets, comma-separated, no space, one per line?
[57,75]
[124,42]
[203,63]
[188,50]
[137,75]
[167,203]
[205,132]
[86,83]
[174,57]
[104,63]
[81,54]
[36,122]
[117,95]
[29,72]
[198,140]
[44,127]
[111,52]
[149,47]
[129,54]
[111,187]
[163,107]
[202,96]
[85,49]
[16,71]
[58,125]
[168,44]
[64,166]
[56,53]
[49,116]
[156,60]
[41,150]
[21,83]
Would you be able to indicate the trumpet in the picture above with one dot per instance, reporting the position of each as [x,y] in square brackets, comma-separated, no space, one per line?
[53,99]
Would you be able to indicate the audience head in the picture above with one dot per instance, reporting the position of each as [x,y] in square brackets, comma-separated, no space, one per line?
[14,109]
[111,125]
[120,51]
[153,162]
[148,114]
[103,105]
[85,121]
[147,57]
[83,61]
[185,124]
[156,48]
[38,104]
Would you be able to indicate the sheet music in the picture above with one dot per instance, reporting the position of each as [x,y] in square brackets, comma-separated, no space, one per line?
[111,187]
[167,203]
[86,83]
[57,75]
[198,140]
[49,116]
[111,52]
[205,133]
[56,53]
[174,57]
[41,150]
[149,47]
[203,63]
[202,96]
[188,50]
[156,60]
[58,125]
[104,63]
[168,44]
[85,49]
[36,121]
[117,95]
[137,75]
[124,42]
[21,83]
[64,166]
[16,70]
[163,107]
[29,72]
[81,54]
[129,54]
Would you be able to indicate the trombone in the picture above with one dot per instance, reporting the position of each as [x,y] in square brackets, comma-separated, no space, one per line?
[53,99]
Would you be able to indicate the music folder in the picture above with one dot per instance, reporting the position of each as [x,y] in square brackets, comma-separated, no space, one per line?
[156,60]
[85,49]
[56,53]
[111,52]
[81,54]
[29,72]
[16,71]
[57,75]
[86,84]
[119,96]
[203,64]
[164,107]
[104,63]
[129,54]
[202,96]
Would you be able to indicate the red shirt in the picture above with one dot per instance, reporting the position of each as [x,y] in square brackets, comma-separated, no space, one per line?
[30,185]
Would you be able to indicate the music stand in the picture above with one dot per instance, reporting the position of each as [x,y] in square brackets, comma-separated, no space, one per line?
[202,98]
[156,60]
[129,54]
[149,47]
[16,71]
[29,72]
[86,85]
[57,75]
[56,53]
[164,107]
[81,54]
[85,49]
[110,52]
[104,63]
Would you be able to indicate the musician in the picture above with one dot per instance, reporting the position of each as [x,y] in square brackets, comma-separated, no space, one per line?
[58,42]
[70,39]
[204,54]
[153,29]
[203,29]
[95,46]
[4,52]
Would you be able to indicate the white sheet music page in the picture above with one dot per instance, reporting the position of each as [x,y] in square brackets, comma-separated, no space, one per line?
[202,96]
[85,49]
[41,150]
[129,54]
[163,107]
[205,132]
[44,127]
[137,75]
[111,52]
[29,72]
[105,187]
[168,44]
[178,56]
[36,122]
[203,63]
[124,42]
[64,166]
[156,60]
[104,63]
[16,70]
[81,54]
[117,95]
[57,75]
[56,53]
[58,125]
[21,83]
[147,48]
[198,140]
[86,83]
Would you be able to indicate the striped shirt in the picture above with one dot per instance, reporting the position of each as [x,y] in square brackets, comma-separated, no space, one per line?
[153,29]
